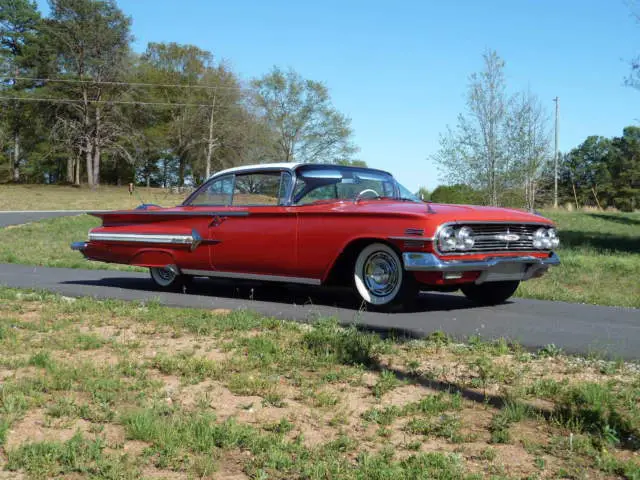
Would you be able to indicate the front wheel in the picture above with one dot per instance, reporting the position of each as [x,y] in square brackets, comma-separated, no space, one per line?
[380,279]
[168,279]
[490,293]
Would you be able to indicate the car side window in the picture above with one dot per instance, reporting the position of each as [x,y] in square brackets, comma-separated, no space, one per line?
[217,192]
[264,188]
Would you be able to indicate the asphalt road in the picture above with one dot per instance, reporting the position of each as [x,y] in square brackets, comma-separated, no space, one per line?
[16,218]
[608,331]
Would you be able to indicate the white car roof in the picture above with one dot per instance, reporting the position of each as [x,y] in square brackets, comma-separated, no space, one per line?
[281,166]
[258,166]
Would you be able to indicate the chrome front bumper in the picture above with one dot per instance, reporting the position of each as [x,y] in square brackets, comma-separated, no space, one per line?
[492,269]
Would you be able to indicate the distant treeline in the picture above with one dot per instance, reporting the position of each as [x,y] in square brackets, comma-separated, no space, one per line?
[79,106]
[601,172]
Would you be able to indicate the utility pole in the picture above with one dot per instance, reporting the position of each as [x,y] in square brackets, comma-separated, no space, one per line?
[555,157]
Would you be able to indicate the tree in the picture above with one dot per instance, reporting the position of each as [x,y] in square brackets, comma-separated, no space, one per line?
[528,144]
[584,171]
[307,127]
[19,23]
[623,163]
[474,153]
[90,39]
[458,194]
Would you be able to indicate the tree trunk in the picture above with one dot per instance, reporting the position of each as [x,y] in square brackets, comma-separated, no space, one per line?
[70,164]
[207,173]
[89,159]
[15,167]
[76,180]
[181,168]
[97,148]
[96,164]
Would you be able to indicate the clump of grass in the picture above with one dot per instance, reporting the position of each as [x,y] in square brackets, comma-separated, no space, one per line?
[75,456]
[387,381]
[41,359]
[593,408]
[446,426]
[350,346]
[192,368]
[513,411]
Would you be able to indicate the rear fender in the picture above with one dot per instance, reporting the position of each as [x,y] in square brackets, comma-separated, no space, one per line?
[153,258]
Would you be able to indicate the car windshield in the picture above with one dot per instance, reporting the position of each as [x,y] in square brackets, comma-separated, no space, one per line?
[331,184]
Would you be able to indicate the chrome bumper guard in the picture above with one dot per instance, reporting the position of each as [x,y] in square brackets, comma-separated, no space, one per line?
[80,246]
[493,268]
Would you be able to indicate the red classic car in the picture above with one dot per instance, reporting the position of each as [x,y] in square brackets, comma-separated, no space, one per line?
[333,225]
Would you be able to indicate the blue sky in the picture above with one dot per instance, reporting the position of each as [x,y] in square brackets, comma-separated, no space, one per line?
[400,69]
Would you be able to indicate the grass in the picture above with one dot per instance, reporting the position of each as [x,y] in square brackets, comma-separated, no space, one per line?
[108,389]
[600,255]
[55,197]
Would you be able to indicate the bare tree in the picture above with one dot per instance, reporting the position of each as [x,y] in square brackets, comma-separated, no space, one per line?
[529,146]
[91,42]
[474,152]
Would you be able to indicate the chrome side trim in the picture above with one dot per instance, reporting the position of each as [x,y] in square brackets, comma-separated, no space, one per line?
[232,213]
[415,239]
[142,238]
[79,246]
[428,262]
[252,276]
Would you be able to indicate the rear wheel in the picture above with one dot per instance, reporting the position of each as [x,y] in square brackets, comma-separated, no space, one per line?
[168,279]
[490,293]
[380,279]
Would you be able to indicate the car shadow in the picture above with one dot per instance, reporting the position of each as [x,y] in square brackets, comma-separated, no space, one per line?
[289,294]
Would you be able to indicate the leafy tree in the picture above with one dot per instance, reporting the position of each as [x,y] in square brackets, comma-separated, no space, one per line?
[19,23]
[306,126]
[623,164]
[458,194]
[585,172]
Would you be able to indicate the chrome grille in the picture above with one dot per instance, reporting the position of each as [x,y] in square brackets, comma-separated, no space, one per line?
[500,237]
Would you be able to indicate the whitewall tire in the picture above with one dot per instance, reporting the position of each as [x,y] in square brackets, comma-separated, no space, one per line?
[379,276]
[167,278]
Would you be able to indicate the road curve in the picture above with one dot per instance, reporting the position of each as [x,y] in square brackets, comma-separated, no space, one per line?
[608,331]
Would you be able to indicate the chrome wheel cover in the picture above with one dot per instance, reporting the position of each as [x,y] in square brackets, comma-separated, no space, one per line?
[163,276]
[381,274]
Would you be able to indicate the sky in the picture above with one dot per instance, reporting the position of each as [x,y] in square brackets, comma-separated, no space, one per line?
[400,69]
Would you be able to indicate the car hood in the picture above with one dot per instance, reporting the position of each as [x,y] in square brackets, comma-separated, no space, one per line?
[442,213]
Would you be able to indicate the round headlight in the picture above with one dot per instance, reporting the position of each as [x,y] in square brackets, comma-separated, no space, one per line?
[465,239]
[552,233]
[447,239]
[539,238]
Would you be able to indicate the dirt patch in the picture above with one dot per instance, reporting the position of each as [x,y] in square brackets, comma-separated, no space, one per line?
[36,427]
[156,473]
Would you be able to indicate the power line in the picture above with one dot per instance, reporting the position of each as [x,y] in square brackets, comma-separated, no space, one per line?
[110,102]
[130,84]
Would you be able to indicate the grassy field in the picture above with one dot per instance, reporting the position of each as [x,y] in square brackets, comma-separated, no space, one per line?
[95,389]
[54,197]
[600,255]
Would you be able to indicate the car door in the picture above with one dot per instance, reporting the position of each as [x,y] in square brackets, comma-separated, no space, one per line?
[261,242]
